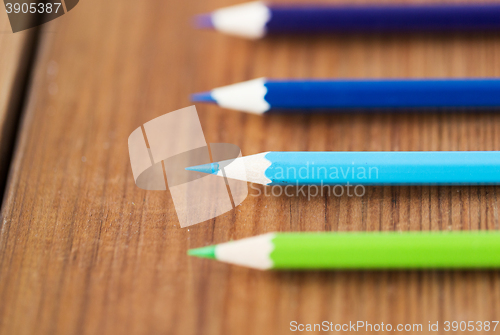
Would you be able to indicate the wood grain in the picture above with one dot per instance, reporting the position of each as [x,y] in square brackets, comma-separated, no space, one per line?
[15,50]
[84,251]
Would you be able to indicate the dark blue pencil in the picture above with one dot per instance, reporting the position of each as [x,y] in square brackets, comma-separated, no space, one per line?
[261,95]
[256,19]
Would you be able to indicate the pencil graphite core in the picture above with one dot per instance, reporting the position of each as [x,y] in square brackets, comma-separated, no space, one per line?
[205,252]
[210,168]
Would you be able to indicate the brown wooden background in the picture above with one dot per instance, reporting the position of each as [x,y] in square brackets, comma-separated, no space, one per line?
[84,251]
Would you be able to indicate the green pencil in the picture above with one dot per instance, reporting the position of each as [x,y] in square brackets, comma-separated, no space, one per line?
[361,250]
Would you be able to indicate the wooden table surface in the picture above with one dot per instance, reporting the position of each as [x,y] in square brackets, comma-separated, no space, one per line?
[84,251]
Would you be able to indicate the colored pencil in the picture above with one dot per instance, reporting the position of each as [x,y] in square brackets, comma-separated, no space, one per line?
[261,95]
[361,250]
[362,168]
[256,19]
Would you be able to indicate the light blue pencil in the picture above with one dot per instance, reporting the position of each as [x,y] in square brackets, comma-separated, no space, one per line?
[362,168]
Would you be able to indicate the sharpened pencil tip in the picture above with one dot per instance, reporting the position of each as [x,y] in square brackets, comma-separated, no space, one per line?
[211,168]
[203,21]
[203,97]
[205,252]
